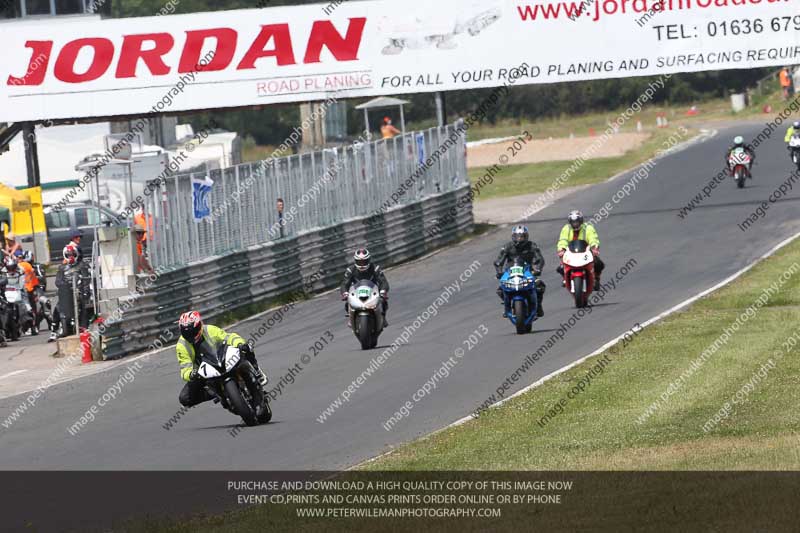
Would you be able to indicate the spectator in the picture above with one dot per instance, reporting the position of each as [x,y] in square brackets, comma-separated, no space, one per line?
[786,83]
[280,206]
[12,247]
[74,244]
[796,78]
[142,264]
[387,130]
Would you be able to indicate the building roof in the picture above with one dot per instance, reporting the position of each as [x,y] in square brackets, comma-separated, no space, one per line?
[383,101]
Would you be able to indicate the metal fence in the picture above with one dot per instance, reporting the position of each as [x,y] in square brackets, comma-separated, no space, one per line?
[319,189]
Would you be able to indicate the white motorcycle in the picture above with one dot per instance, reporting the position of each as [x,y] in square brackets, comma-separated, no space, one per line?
[794,149]
[366,314]
[20,313]
[739,163]
[231,379]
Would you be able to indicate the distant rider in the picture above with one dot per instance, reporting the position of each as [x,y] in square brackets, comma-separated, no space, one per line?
[521,246]
[364,269]
[794,128]
[738,142]
[577,230]
[195,336]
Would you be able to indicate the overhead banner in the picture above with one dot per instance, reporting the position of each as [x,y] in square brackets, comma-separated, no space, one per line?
[78,67]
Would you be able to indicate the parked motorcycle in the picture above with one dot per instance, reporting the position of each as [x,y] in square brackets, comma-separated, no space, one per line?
[20,315]
[794,149]
[4,311]
[366,314]
[230,378]
[519,296]
[578,263]
[739,166]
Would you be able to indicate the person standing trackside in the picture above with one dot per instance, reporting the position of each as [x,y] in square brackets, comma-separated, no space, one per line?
[12,248]
[280,206]
[387,130]
[786,83]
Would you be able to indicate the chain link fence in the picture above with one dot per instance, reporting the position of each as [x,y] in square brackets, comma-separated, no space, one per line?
[319,189]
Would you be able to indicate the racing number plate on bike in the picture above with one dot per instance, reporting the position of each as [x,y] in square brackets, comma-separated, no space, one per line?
[364,292]
[517,271]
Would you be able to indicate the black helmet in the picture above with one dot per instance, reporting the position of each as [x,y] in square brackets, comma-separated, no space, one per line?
[519,235]
[362,259]
[575,219]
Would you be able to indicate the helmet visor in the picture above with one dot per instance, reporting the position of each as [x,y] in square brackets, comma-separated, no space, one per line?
[191,332]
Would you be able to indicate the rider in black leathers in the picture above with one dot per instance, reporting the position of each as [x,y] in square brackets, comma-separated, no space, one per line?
[364,269]
[520,246]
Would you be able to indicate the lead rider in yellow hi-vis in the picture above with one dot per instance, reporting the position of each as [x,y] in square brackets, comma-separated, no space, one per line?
[194,337]
[577,230]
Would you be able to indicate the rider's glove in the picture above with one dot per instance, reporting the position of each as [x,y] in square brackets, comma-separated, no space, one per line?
[384,295]
[537,272]
[561,253]
[246,349]
[193,374]
[344,296]
[498,275]
[595,251]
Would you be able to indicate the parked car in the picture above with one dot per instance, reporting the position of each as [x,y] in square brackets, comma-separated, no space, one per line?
[61,224]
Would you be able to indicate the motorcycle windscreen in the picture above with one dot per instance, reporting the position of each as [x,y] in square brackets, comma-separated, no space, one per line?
[578,247]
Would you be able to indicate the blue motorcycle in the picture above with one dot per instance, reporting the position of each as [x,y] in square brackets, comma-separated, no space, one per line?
[519,296]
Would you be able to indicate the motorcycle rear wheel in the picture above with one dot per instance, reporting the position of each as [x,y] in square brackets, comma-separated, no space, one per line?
[739,179]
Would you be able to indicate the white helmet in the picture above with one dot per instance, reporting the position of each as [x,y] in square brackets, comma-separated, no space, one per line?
[362,259]
[575,219]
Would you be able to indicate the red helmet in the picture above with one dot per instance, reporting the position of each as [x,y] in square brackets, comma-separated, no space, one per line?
[70,253]
[191,326]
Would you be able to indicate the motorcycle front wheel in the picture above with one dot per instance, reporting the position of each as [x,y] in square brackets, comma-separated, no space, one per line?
[364,324]
[239,404]
[520,313]
[580,293]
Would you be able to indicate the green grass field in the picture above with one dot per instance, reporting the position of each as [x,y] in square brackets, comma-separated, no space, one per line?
[530,178]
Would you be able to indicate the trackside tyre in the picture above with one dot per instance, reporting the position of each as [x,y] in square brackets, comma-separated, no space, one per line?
[520,312]
[364,324]
[239,405]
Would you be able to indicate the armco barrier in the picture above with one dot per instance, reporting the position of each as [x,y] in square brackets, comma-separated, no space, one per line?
[265,273]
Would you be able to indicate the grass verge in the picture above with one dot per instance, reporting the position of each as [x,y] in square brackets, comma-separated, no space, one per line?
[514,180]
[601,428]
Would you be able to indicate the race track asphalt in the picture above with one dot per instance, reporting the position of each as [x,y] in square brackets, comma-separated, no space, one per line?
[675,259]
